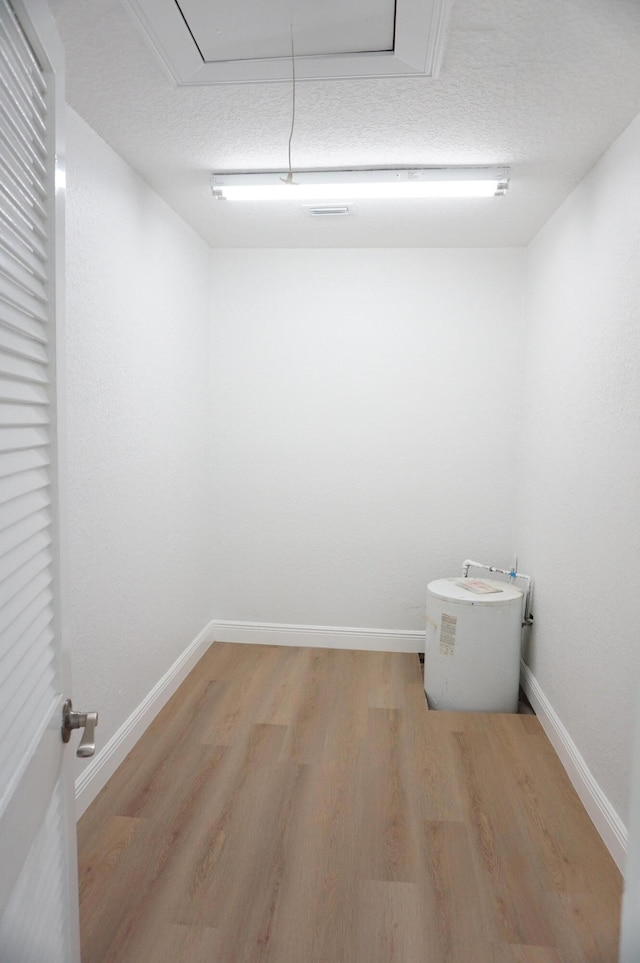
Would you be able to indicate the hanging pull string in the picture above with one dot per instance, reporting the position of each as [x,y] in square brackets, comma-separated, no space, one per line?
[289,178]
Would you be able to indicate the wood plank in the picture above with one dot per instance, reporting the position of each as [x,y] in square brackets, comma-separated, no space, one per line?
[193,944]
[519,910]
[247,680]
[457,916]
[388,850]
[512,953]
[438,786]
[101,855]
[307,727]
[385,929]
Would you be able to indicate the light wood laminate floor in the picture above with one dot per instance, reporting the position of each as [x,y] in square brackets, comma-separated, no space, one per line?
[303,805]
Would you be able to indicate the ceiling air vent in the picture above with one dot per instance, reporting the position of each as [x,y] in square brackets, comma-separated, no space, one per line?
[334,210]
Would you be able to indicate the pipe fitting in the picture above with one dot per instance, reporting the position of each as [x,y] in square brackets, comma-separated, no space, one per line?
[528,594]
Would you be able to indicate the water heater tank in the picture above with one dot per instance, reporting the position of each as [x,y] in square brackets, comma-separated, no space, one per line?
[472,652]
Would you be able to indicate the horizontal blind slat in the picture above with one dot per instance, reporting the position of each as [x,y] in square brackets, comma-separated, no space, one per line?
[15,311]
[18,160]
[18,79]
[24,529]
[22,250]
[23,256]
[23,110]
[15,275]
[21,602]
[31,683]
[23,369]
[13,296]
[21,192]
[16,320]
[22,554]
[15,134]
[38,603]
[20,185]
[15,416]
[21,103]
[21,484]
[17,461]
[22,76]
[27,56]
[23,576]
[22,392]
[26,112]
[14,439]
[25,119]
[24,676]
[15,342]
[23,211]
[25,504]
[12,227]
[21,662]
[17,95]
[21,215]
[42,618]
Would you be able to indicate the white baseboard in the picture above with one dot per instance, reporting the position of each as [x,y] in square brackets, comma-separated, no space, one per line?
[105,763]
[600,810]
[318,636]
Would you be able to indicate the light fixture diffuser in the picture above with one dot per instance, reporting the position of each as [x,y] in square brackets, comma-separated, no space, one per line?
[355,184]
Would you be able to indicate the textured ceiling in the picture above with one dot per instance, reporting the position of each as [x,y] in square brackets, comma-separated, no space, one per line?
[543,86]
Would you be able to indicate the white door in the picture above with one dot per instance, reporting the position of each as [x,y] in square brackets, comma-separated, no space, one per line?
[38,876]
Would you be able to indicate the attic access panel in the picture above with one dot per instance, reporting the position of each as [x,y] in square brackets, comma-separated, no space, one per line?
[246,30]
[248,41]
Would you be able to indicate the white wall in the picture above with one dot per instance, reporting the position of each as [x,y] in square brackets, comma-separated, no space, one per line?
[579,528]
[365,406]
[137,413]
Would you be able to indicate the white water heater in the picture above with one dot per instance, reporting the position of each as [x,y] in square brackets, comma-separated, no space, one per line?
[472,652]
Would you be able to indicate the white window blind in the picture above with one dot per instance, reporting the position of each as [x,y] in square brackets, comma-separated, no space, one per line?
[28,666]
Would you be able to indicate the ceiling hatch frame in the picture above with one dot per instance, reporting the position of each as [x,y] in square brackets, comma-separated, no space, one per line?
[420,30]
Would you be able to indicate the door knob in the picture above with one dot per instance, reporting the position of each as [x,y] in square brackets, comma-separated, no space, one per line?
[80,720]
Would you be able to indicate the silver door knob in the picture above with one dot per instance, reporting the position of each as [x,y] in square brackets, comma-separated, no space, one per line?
[80,720]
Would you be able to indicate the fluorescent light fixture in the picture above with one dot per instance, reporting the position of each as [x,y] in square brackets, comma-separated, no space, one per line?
[351,185]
